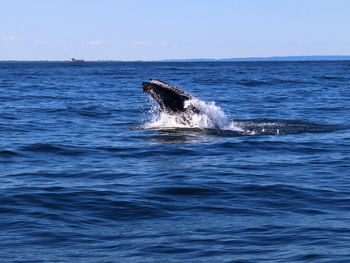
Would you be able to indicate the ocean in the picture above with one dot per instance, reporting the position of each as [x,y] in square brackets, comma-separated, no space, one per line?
[91,170]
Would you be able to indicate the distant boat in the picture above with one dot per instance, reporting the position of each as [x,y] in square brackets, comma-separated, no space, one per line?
[76,60]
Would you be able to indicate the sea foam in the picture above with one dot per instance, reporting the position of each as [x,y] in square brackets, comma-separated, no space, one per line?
[210,116]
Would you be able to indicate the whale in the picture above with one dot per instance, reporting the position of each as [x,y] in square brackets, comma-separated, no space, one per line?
[170,98]
[191,112]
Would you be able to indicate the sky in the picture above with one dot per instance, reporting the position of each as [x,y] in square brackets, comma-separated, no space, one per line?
[169,29]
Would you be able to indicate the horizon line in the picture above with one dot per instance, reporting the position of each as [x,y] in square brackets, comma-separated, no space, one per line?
[255,58]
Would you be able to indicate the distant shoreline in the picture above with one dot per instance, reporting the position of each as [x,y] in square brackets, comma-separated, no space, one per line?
[246,59]
[275,58]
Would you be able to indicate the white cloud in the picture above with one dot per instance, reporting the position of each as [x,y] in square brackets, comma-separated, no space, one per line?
[141,43]
[12,38]
[96,43]
[145,43]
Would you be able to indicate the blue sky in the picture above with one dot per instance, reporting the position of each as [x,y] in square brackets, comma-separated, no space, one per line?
[181,29]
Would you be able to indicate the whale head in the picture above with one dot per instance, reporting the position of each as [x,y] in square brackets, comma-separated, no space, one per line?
[169,97]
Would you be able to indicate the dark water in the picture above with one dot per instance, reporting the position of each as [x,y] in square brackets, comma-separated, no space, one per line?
[82,180]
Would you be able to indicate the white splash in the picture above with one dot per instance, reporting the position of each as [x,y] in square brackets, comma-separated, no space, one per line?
[210,116]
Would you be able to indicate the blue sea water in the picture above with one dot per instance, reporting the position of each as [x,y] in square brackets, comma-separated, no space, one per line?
[91,171]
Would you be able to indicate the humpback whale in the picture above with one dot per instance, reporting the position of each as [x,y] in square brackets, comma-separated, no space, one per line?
[191,112]
[169,97]
[184,107]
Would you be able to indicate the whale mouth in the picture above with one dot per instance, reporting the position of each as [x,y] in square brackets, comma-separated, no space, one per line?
[169,97]
[181,108]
